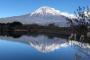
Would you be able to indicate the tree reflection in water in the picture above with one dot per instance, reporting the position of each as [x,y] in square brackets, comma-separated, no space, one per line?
[49,42]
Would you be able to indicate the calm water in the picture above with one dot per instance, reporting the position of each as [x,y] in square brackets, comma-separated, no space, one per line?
[42,48]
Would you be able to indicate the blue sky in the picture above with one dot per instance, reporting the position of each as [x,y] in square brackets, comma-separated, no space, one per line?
[18,7]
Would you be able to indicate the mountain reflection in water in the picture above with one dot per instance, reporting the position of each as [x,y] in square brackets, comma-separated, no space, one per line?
[54,48]
[41,43]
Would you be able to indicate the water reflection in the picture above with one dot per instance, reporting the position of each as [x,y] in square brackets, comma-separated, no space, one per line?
[46,48]
[41,43]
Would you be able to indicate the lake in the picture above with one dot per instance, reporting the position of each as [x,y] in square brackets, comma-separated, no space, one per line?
[42,47]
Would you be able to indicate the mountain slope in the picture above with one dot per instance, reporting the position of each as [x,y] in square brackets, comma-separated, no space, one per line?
[42,16]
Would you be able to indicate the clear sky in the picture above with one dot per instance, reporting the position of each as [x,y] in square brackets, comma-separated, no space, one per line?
[19,7]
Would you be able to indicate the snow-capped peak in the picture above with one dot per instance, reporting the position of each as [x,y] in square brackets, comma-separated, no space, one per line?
[46,10]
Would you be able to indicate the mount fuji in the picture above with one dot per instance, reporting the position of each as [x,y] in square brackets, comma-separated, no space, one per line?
[43,16]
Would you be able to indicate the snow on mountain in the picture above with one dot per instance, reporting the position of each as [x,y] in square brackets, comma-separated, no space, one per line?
[45,10]
[42,16]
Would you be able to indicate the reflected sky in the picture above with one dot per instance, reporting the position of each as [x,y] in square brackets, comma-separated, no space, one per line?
[39,48]
[11,50]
